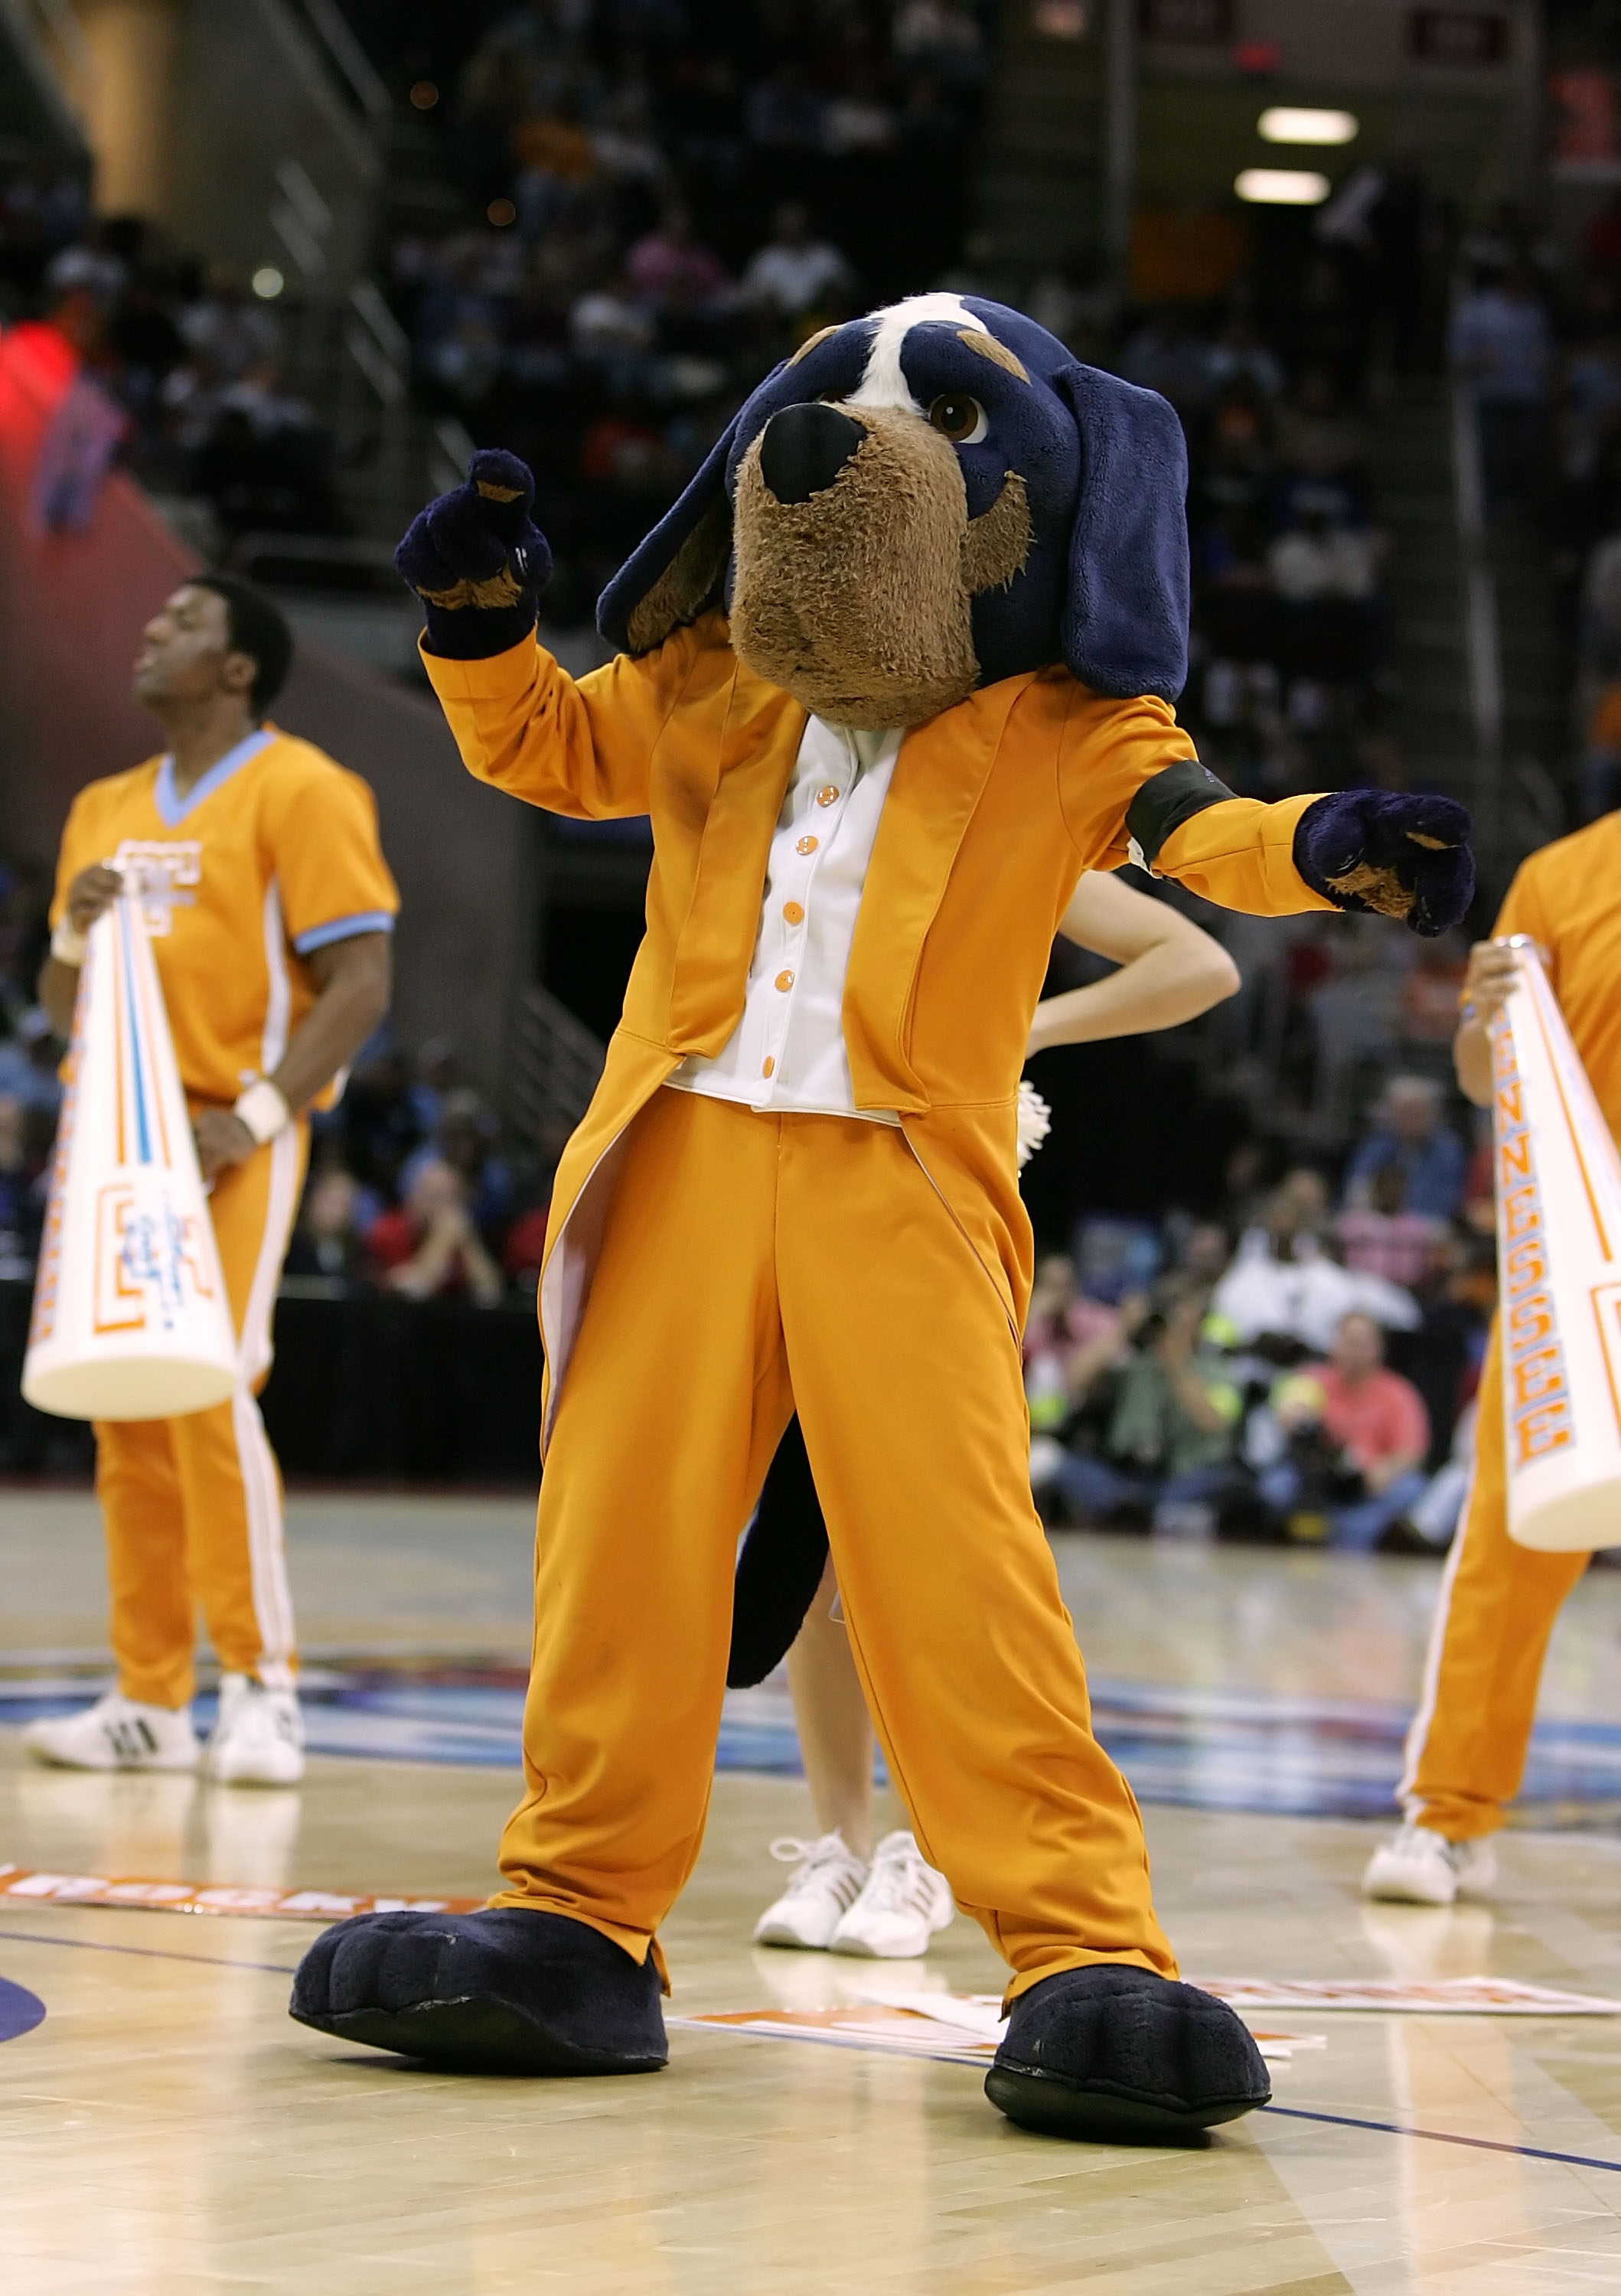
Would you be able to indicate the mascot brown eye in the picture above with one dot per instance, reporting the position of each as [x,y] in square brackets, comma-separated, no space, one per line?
[960,419]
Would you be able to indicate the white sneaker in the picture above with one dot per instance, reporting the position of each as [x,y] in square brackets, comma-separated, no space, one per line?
[117,1733]
[258,1738]
[1419,1867]
[902,1906]
[823,1887]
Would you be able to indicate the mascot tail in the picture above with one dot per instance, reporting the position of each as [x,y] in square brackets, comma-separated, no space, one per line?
[780,1567]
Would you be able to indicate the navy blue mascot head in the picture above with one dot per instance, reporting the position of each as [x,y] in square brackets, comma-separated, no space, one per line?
[922,501]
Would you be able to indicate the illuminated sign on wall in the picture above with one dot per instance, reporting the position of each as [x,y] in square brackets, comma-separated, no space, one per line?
[1188,23]
[1457,35]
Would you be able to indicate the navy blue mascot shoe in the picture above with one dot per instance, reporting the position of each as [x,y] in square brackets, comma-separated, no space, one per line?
[1119,2056]
[501,1991]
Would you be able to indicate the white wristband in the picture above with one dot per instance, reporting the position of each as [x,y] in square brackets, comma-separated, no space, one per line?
[68,945]
[262,1109]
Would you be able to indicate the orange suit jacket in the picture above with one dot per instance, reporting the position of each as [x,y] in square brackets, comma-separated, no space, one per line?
[995,810]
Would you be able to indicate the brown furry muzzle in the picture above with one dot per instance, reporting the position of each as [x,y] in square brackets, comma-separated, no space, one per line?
[856,601]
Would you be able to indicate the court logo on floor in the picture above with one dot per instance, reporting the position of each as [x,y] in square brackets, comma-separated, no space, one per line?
[19,2011]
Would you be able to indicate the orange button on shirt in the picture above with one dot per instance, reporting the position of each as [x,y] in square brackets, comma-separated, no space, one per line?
[1567,898]
[272,855]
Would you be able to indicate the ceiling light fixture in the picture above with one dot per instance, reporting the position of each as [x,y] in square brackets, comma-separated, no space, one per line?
[1288,123]
[1282,187]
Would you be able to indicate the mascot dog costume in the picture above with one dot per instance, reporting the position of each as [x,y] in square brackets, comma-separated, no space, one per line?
[893,672]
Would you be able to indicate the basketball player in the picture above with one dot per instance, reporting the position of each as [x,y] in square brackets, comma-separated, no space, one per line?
[1466,1750]
[887,1903]
[270,906]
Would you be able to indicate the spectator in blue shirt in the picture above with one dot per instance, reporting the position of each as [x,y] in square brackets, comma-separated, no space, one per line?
[28,1065]
[1501,350]
[1409,1133]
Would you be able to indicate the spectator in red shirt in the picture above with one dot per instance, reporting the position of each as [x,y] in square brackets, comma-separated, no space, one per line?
[1355,1436]
[523,1247]
[429,1247]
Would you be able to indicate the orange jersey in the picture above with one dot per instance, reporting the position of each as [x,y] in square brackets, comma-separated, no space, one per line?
[272,855]
[1567,896]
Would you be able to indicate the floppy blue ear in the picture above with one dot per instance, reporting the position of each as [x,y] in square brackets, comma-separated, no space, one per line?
[679,568]
[1123,627]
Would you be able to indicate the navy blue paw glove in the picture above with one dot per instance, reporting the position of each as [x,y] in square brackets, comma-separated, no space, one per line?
[1399,856]
[478,560]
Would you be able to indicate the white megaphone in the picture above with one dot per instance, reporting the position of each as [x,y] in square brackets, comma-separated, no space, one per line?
[131,1319]
[1558,1257]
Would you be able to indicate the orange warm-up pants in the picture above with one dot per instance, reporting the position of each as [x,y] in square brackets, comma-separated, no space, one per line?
[193,1505]
[1466,1750]
[751,1264]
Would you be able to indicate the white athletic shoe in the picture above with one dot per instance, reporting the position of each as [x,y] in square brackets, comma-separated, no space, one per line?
[824,1886]
[258,1738]
[903,1904]
[1419,1867]
[117,1733]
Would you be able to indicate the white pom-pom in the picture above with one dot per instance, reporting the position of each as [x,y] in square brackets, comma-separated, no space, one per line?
[1035,1121]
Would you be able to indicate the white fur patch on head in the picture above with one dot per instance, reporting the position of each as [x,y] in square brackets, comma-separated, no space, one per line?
[882,384]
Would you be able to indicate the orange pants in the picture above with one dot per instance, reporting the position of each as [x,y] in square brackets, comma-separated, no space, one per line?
[193,1505]
[1466,1750]
[751,1264]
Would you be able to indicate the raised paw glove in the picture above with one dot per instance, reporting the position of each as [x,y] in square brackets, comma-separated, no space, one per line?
[478,560]
[1400,857]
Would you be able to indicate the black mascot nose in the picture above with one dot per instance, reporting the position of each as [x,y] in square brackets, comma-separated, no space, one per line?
[803,450]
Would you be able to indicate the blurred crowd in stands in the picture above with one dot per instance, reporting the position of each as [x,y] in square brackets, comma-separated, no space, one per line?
[186,363]
[182,359]
[413,1190]
[1301,1368]
[657,202]
[672,199]
[647,206]
[410,1187]
[1298,1366]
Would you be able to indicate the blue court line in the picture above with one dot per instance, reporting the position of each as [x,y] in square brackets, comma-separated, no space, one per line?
[145,1952]
[1444,2136]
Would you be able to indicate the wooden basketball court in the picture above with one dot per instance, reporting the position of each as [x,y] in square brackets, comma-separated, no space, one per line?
[167,2130]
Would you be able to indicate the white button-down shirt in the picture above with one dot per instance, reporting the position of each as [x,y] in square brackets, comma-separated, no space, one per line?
[788,1051]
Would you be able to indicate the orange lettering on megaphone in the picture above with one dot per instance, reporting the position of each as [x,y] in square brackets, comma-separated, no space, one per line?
[1530,1319]
[1545,1428]
[1521,1212]
[113,1205]
[1527,1263]
[1514,1159]
[1537,1375]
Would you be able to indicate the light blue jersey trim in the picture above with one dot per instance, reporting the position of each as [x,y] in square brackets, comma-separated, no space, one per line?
[366,920]
[173,808]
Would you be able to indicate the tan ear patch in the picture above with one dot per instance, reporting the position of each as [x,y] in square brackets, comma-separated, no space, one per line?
[809,344]
[996,544]
[988,347]
[498,493]
[682,590]
[503,589]
[1380,889]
